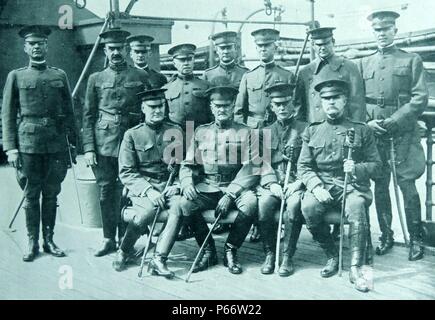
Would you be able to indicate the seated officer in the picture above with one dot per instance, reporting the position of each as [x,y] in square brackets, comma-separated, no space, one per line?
[285,145]
[210,180]
[322,166]
[143,169]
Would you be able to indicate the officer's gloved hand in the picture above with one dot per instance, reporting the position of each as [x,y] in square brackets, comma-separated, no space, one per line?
[91,158]
[189,192]
[157,199]
[224,205]
[14,159]
[292,188]
[171,191]
[276,190]
[349,166]
[390,125]
[377,127]
[322,194]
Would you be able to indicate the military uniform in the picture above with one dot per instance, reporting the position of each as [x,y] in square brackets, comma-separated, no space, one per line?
[285,145]
[155,78]
[37,117]
[233,71]
[396,90]
[111,107]
[307,99]
[252,101]
[142,165]
[320,165]
[222,162]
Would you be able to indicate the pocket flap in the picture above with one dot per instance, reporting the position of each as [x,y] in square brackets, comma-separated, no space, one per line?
[198,92]
[317,143]
[255,86]
[401,70]
[172,94]
[28,127]
[27,84]
[132,84]
[103,125]
[57,84]
[144,147]
[368,74]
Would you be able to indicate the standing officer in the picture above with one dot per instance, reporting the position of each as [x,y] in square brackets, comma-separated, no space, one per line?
[140,53]
[185,92]
[284,148]
[322,166]
[111,107]
[143,169]
[308,102]
[218,173]
[226,49]
[252,102]
[396,94]
[39,97]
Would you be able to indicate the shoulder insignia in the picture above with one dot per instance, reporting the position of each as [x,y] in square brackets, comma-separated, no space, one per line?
[242,67]
[254,69]
[19,69]
[211,68]
[137,126]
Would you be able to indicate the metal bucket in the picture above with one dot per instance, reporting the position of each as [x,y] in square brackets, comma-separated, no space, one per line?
[89,201]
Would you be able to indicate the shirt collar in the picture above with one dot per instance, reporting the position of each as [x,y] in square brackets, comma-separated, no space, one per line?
[334,62]
[387,49]
[40,65]
[227,66]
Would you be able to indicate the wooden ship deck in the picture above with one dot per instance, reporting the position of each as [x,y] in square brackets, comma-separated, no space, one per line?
[80,275]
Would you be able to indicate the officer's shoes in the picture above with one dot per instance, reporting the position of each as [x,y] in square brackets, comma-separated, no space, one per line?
[356,277]
[51,248]
[157,266]
[287,268]
[121,260]
[108,246]
[268,266]
[230,261]
[416,252]
[330,269]
[32,251]
[386,245]
[208,259]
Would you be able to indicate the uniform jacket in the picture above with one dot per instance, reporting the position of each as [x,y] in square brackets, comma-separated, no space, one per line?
[283,136]
[307,100]
[233,72]
[155,78]
[142,158]
[37,110]
[221,159]
[252,101]
[395,86]
[111,107]
[187,100]
[324,149]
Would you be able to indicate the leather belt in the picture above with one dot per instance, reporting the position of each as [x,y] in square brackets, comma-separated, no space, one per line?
[381,102]
[110,117]
[45,121]
[218,177]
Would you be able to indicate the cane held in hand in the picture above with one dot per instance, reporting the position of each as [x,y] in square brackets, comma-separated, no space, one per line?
[350,137]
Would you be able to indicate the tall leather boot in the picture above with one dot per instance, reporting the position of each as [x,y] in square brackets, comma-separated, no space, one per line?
[125,250]
[416,251]
[200,229]
[321,234]
[291,235]
[230,259]
[358,239]
[32,223]
[268,235]
[49,208]
[387,240]
[157,266]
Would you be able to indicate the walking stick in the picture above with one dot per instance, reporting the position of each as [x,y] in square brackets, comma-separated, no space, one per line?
[16,211]
[281,210]
[396,189]
[168,183]
[350,135]
[202,247]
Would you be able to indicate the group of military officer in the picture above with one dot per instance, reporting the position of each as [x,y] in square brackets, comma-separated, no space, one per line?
[220,131]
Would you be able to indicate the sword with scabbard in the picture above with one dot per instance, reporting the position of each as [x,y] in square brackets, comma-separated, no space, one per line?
[350,135]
